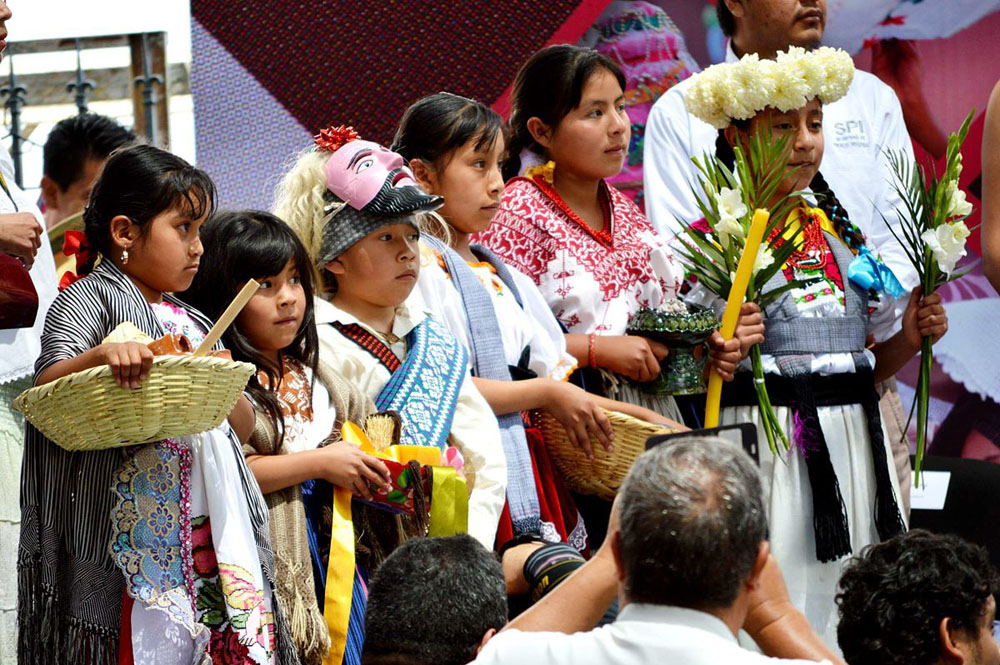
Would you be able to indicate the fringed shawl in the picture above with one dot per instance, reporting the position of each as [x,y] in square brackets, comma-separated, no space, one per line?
[295,585]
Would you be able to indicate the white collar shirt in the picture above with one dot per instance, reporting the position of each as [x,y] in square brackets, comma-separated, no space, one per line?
[858,130]
[474,430]
[642,634]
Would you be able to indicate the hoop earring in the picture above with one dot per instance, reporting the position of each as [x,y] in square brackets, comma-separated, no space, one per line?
[124,257]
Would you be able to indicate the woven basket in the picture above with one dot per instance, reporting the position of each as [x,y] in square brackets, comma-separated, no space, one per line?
[603,475]
[89,411]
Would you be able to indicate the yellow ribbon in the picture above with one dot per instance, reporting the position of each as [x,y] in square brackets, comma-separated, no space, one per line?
[449,515]
[792,224]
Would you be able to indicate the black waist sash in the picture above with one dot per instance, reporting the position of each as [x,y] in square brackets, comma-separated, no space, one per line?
[803,393]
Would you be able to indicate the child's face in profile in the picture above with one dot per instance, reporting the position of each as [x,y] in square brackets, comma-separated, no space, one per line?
[380,269]
[165,259]
[273,317]
[470,183]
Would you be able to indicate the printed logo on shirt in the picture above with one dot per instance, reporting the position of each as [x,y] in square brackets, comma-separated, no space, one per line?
[851,134]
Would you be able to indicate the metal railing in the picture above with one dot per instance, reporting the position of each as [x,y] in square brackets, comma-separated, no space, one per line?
[148,89]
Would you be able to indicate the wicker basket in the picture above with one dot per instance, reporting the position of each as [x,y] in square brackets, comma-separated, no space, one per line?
[182,395]
[603,475]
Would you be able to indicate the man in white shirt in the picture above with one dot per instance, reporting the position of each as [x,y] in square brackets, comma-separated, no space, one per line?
[691,565]
[859,129]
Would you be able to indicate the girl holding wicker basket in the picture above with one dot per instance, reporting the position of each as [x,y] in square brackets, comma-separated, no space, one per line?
[454,146]
[154,553]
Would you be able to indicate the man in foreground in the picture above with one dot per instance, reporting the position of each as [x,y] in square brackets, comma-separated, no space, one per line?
[690,562]
[919,599]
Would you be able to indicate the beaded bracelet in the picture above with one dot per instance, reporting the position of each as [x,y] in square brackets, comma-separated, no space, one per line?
[592,355]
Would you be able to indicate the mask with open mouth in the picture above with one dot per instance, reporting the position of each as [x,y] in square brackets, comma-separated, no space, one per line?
[369,177]
[374,185]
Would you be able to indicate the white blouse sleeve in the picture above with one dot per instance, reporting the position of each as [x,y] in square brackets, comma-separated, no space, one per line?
[549,357]
[475,433]
[885,320]
[441,299]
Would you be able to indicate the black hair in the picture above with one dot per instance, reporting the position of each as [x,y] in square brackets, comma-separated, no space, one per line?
[548,86]
[726,19]
[437,125]
[141,182]
[431,602]
[244,245]
[826,200]
[894,596]
[75,140]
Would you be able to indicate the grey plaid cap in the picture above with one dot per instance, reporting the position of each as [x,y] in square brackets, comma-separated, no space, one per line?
[348,226]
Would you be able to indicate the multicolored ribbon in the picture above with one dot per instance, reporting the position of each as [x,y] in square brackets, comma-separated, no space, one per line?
[449,515]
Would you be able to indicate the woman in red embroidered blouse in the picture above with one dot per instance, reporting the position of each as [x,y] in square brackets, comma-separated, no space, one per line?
[595,257]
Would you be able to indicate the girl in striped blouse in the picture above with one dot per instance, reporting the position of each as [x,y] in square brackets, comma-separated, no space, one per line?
[118,559]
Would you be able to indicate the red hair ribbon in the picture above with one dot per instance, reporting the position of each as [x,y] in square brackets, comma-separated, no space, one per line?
[332,138]
[75,244]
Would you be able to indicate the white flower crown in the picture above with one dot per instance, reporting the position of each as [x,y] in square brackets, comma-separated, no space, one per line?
[740,90]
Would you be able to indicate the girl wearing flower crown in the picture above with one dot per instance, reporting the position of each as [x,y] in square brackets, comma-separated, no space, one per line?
[355,205]
[835,492]
[155,553]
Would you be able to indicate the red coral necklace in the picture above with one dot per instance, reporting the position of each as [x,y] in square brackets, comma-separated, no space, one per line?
[604,235]
[813,253]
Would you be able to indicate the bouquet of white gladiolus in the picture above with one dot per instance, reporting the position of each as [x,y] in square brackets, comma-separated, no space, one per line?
[933,234]
[711,251]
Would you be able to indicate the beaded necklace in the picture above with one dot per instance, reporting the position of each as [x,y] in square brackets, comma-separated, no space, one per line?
[604,235]
[813,253]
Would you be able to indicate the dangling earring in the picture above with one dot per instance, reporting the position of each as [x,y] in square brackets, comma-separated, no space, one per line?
[124,257]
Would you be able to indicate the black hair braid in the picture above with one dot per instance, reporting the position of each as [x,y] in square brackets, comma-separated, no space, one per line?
[511,166]
[827,201]
[724,151]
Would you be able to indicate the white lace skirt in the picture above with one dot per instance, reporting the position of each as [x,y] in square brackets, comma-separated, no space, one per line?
[788,498]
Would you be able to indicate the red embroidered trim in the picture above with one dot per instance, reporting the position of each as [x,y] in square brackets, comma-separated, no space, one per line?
[605,235]
[369,343]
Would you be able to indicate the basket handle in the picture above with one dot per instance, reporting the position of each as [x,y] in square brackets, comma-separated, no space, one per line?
[227,318]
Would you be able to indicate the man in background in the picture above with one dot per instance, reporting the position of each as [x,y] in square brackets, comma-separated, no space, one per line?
[919,599]
[73,157]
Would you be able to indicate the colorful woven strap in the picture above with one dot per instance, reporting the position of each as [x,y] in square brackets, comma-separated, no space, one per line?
[449,515]
[369,343]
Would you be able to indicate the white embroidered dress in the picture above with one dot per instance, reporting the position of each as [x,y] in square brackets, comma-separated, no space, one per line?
[812,584]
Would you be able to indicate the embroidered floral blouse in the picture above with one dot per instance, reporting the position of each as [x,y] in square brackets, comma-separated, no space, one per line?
[592,280]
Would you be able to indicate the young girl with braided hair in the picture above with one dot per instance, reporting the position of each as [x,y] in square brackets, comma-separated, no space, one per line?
[835,491]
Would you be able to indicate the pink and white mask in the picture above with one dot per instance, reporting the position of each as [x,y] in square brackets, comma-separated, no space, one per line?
[368,177]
